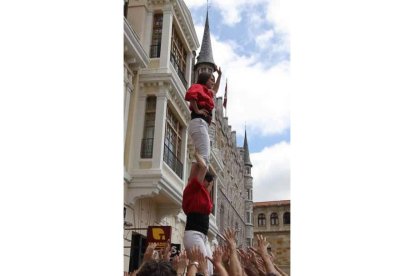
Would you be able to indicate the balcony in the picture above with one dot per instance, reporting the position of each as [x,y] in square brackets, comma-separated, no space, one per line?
[172,161]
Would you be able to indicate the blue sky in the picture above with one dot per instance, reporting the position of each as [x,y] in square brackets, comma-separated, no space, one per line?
[243,33]
[251,43]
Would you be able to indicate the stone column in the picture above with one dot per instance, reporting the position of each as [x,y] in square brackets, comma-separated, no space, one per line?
[149,21]
[167,21]
[184,153]
[159,132]
[137,123]
[188,69]
[128,88]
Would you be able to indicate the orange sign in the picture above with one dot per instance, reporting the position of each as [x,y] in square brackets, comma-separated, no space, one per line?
[159,235]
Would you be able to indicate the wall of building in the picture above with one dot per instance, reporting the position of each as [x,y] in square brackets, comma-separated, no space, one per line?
[277,235]
[230,167]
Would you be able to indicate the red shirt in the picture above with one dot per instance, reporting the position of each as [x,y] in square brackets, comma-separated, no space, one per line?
[202,95]
[196,198]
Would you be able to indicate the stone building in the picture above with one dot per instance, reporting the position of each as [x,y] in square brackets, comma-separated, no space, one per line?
[272,220]
[160,43]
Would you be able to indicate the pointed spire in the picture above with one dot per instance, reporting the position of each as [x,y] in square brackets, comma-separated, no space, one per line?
[246,150]
[206,51]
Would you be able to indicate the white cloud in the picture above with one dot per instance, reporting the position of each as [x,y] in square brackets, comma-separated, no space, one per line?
[230,10]
[263,39]
[278,15]
[271,173]
[194,3]
[256,95]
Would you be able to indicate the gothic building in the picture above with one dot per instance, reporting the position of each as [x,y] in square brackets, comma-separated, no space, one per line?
[160,43]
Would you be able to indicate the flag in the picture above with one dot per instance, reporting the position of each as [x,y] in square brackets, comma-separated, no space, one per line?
[225,96]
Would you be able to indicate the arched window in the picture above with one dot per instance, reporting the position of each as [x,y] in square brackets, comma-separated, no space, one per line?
[222,218]
[274,220]
[286,218]
[261,220]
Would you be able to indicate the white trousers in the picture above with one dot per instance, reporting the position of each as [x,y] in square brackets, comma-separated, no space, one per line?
[198,131]
[196,238]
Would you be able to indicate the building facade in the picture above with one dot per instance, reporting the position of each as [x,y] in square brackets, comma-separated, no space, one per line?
[272,220]
[160,43]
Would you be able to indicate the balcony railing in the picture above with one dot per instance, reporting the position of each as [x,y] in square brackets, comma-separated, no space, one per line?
[177,68]
[172,161]
[146,148]
[155,51]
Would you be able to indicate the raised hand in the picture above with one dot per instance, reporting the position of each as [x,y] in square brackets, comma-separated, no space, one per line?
[202,261]
[226,254]
[218,261]
[166,252]
[235,267]
[230,236]
[218,69]
[262,245]
[149,252]
[180,262]
[218,255]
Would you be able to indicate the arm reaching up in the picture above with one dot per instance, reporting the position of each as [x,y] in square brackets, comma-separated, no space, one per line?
[235,265]
[217,84]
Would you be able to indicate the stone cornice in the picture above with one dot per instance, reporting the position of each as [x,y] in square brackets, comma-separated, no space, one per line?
[134,53]
[150,183]
[170,190]
[173,87]
[185,22]
[158,2]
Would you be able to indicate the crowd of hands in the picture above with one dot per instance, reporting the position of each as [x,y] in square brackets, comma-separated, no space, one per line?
[227,259]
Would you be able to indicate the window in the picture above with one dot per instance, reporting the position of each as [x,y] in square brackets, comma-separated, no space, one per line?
[149,125]
[178,55]
[156,36]
[261,220]
[138,246]
[274,220]
[249,194]
[249,242]
[286,218]
[247,170]
[222,218]
[172,143]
